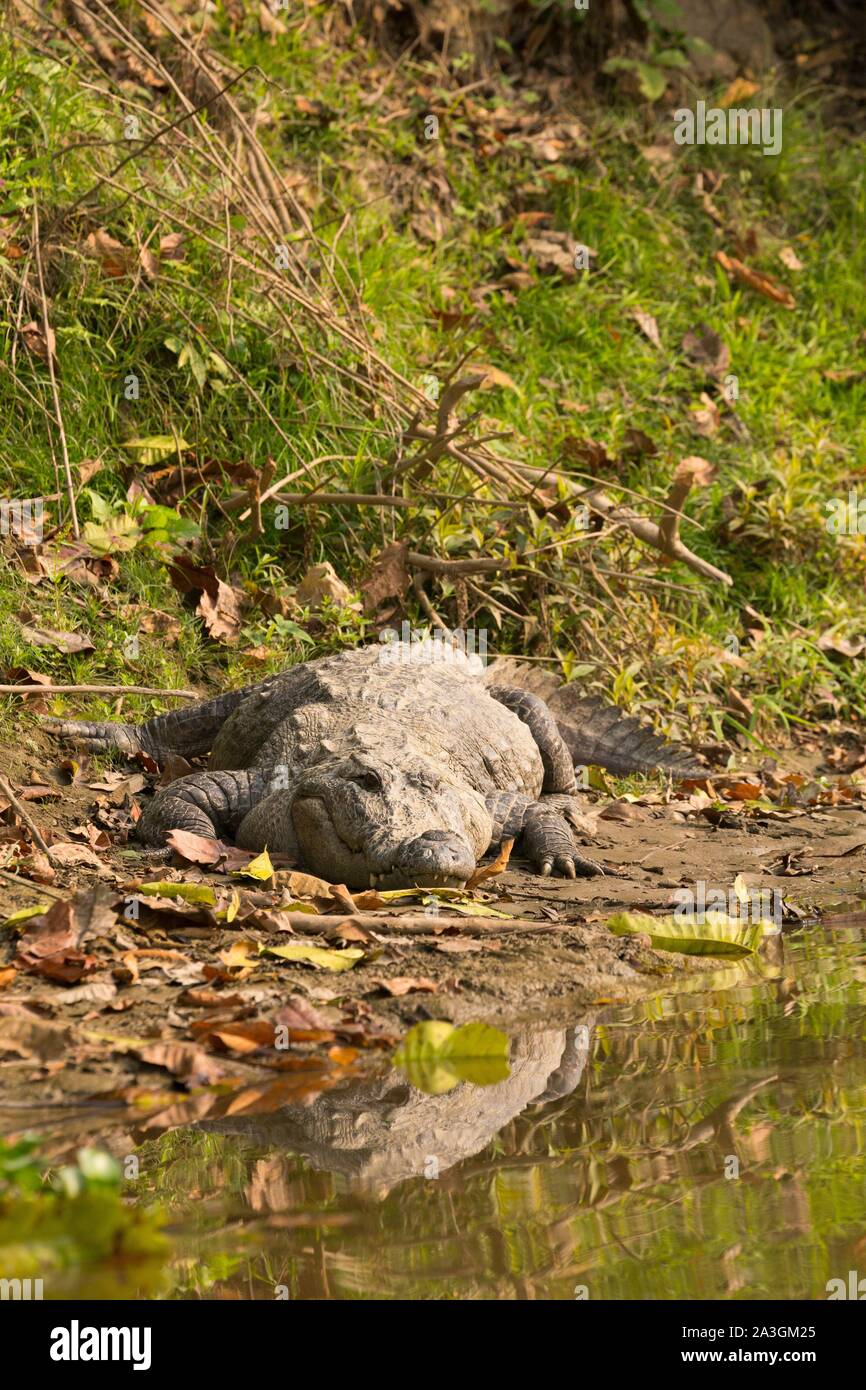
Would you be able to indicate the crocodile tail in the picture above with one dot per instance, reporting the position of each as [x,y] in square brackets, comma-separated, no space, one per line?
[595,732]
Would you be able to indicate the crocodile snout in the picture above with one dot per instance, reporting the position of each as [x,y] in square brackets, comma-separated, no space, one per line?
[436,858]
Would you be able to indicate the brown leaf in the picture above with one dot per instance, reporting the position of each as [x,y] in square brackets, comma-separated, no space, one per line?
[148,263]
[298,1013]
[171,246]
[245,1037]
[35,341]
[184,1060]
[407,984]
[73,856]
[740,791]
[347,931]
[840,646]
[498,866]
[739,90]
[707,419]
[52,932]
[219,605]
[96,992]
[843,375]
[269,21]
[308,886]
[173,767]
[61,641]
[637,444]
[38,867]
[623,811]
[658,154]
[152,620]
[50,943]
[388,578]
[461,945]
[343,898]
[517,280]
[196,849]
[492,377]
[322,582]
[697,471]
[222,612]
[756,280]
[705,348]
[789,258]
[114,258]
[589,452]
[647,325]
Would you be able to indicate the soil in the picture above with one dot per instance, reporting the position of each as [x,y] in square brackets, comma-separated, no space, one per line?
[160,1017]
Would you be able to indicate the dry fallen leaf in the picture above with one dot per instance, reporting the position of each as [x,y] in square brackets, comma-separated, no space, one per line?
[61,641]
[35,341]
[407,984]
[705,348]
[789,258]
[498,866]
[492,377]
[114,258]
[171,246]
[388,577]
[184,1060]
[705,420]
[756,280]
[322,582]
[840,646]
[739,90]
[648,326]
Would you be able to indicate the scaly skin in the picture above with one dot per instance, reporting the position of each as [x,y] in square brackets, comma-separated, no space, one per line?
[393,766]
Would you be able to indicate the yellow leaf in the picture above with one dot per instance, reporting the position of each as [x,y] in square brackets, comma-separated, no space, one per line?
[260,867]
[739,90]
[239,953]
[492,376]
[316,955]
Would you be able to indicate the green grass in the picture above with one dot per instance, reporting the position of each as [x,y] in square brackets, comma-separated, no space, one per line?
[653,647]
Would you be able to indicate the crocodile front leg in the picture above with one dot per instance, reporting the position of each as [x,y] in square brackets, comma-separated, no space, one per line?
[534,713]
[206,803]
[190,731]
[542,831]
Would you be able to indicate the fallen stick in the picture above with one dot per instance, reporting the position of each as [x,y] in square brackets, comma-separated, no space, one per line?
[367,499]
[412,923]
[663,537]
[96,690]
[52,376]
[434,565]
[28,820]
[33,886]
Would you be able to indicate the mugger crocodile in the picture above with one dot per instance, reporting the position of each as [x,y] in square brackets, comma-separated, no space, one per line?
[389,766]
[380,1131]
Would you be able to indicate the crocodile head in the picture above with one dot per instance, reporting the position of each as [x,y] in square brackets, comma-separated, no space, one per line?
[363,821]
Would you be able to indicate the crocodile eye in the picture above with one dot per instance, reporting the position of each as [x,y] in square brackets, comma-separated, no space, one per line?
[369,780]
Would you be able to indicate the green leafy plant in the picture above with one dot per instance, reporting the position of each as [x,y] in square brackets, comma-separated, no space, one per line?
[716,935]
[436,1056]
[52,1219]
[667,48]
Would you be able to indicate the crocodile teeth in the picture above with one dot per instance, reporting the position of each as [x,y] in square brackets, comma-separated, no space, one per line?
[374,879]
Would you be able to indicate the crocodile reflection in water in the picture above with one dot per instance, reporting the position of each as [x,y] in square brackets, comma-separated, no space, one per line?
[380,1131]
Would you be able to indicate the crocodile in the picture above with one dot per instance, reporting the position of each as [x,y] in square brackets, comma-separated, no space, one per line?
[378,1131]
[390,766]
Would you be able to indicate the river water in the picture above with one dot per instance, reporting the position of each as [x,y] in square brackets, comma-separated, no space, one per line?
[702,1144]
